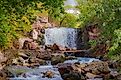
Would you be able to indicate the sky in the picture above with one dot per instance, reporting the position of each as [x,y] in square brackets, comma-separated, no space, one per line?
[71,2]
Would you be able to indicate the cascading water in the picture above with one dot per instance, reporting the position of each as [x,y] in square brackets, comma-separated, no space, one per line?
[39,74]
[48,62]
[66,37]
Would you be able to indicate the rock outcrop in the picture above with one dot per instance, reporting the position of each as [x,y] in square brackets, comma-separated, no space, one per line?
[84,71]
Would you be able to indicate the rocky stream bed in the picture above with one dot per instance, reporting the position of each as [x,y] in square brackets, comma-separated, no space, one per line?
[35,65]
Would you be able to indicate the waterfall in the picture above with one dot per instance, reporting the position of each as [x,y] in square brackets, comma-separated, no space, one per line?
[66,37]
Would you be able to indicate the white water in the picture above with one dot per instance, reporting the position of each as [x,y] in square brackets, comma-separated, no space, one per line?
[37,74]
[82,60]
[65,37]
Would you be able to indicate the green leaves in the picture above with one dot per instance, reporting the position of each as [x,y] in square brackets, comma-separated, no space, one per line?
[108,15]
[70,20]
[17,16]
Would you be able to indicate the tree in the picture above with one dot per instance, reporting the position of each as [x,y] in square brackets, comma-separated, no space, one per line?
[107,14]
[17,16]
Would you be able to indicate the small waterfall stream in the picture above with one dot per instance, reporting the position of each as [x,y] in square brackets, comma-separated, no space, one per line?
[66,37]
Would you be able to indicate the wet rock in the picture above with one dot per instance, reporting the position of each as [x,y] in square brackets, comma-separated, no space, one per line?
[62,48]
[48,74]
[114,74]
[73,76]
[34,65]
[26,64]
[32,60]
[64,67]
[22,54]
[42,62]
[83,65]
[44,55]
[70,57]
[92,76]
[15,61]
[119,77]
[106,76]
[70,72]
[113,64]
[17,70]
[57,58]
[80,71]
[96,79]
[55,47]
[36,60]
[23,60]
[97,67]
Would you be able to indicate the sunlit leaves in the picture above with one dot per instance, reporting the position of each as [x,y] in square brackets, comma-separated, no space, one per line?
[70,20]
[17,16]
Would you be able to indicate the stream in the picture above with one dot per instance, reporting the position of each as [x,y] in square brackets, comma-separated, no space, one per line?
[67,67]
[39,72]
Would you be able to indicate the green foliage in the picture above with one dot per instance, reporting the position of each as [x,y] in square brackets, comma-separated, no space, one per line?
[17,16]
[69,20]
[107,14]
[93,42]
[54,7]
[87,11]
[115,50]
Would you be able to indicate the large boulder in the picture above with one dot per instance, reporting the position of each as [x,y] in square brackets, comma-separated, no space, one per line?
[44,55]
[70,72]
[92,71]
[57,58]
[97,68]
